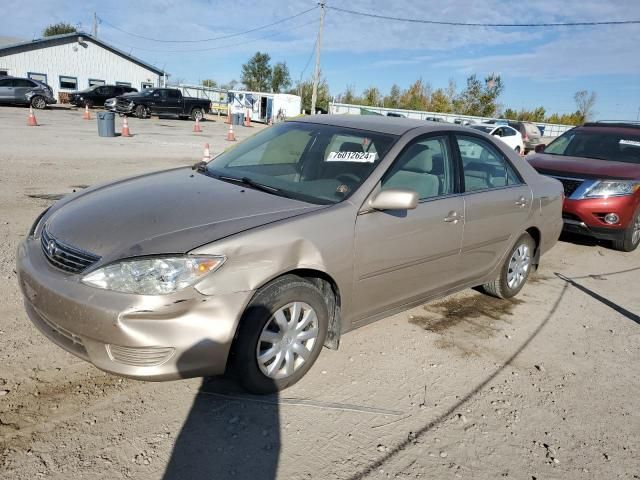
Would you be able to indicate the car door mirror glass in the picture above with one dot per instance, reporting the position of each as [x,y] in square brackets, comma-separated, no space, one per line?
[394,199]
[539,148]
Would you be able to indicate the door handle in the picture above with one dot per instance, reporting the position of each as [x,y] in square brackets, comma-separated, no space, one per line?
[521,202]
[453,217]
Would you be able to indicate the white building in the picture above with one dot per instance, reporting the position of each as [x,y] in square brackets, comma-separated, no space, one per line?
[75,61]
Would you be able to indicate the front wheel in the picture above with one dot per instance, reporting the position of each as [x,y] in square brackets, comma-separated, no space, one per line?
[142,111]
[515,270]
[280,335]
[38,102]
[630,238]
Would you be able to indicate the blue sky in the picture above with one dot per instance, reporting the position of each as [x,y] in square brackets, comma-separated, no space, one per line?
[539,66]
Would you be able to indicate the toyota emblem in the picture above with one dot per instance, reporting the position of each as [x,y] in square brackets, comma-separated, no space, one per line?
[52,248]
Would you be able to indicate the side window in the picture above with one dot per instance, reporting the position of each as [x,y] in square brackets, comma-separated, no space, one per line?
[173,94]
[508,132]
[6,82]
[484,167]
[425,166]
[20,82]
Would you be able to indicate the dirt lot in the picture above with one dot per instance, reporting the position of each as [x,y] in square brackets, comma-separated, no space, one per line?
[544,387]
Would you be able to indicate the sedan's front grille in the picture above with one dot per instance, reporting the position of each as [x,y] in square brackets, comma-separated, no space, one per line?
[65,257]
[570,185]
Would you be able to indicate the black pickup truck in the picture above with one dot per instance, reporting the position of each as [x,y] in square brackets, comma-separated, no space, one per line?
[161,101]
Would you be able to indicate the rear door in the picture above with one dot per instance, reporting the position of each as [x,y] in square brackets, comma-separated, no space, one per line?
[403,256]
[173,104]
[497,204]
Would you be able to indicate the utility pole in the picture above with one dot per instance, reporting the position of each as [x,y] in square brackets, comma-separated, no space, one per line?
[94,32]
[316,75]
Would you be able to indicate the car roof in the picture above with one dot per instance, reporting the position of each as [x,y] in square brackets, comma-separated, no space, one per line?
[374,123]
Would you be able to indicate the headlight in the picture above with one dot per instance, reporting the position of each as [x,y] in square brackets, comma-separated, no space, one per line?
[153,275]
[612,188]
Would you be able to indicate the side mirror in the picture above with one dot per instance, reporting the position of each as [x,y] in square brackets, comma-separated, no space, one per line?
[539,148]
[394,199]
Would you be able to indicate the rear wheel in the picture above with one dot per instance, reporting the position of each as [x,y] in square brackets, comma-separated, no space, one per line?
[197,114]
[515,270]
[88,103]
[630,238]
[280,335]
[142,111]
[38,102]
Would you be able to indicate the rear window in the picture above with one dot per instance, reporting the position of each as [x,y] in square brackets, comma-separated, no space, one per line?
[614,146]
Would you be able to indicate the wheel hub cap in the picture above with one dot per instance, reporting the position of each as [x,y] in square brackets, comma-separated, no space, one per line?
[519,264]
[635,237]
[287,340]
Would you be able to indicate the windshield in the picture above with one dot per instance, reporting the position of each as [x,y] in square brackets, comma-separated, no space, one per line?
[320,164]
[616,146]
[483,128]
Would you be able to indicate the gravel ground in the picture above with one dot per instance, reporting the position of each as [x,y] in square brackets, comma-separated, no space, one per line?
[542,387]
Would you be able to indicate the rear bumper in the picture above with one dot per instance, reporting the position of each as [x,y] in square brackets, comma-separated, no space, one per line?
[163,337]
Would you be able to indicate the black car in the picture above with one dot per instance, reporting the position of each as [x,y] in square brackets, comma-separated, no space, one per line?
[96,95]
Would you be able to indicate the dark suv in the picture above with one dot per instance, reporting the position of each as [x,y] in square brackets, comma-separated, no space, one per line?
[96,95]
[599,166]
[24,91]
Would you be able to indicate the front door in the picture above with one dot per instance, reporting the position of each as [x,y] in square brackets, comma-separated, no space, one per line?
[403,256]
[497,205]
[6,90]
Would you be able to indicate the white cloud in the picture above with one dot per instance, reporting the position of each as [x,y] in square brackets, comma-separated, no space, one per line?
[602,51]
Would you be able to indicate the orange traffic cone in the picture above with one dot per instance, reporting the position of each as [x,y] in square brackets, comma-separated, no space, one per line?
[206,156]
[230,135]
[196,127]
[247,118]
[87,114]
[125,128]
[31,121]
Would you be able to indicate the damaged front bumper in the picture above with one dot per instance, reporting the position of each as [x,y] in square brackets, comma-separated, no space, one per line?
[146,337]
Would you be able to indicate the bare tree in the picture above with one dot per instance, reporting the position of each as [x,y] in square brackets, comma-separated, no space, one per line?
[585,102]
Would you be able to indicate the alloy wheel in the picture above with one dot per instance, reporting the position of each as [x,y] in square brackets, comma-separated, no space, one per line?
[519,264]
[635,236]
[287,340]
[39,103]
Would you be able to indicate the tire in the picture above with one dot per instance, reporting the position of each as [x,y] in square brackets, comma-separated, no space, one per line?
[38,102]
[510,282]
[88,103]
[259,322]
[141,111]
[630,237]
[197,113]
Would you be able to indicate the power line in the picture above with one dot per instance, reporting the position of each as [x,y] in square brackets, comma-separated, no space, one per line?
[222,37]
[219,47]
[472,24]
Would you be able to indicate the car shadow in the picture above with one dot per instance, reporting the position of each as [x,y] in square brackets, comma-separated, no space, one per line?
[583,240]
[224,437]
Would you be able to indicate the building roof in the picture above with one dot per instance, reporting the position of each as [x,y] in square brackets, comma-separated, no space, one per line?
[67,38]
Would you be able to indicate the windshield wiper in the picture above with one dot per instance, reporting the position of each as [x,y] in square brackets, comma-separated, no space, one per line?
[250,183]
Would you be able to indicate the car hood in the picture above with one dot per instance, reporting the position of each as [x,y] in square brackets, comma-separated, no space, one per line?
[583,167]
[173,211]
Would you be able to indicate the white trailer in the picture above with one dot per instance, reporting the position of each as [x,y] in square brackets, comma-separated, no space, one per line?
[267,106]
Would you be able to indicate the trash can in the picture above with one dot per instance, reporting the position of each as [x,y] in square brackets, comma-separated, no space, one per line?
[241,119]
[106,124]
